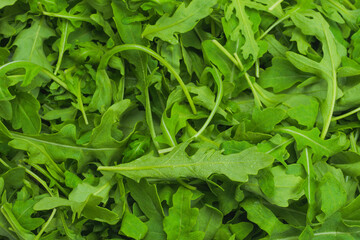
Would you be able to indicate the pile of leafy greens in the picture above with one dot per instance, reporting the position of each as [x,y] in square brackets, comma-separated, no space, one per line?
[169,119]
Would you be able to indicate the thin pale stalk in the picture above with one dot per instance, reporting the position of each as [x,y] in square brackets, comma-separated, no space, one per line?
[217,104]
[45,173]
[280,20]
[46,225]
[68,17]
[149,118]
[277,3]
[346,114]
[42,182]
[251,85]
[63,41]
[126,47]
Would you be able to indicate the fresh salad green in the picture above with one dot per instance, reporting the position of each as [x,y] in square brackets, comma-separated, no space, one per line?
[179,120]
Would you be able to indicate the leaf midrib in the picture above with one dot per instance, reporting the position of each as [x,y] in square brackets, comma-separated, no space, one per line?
[19,136]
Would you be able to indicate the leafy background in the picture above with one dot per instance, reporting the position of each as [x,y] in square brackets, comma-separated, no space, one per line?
[165,119]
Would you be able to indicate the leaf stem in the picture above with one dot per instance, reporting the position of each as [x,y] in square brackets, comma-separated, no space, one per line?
[186,185]
[247,77]
[62,45]
[220,93]
[56,79]
[4,163]
[350,5]
[165,150]
[68,17]
[173,141]
[37,178]
[46,224]
[126,47]
[353,140]
[226,52]
[43,172]
[202,137]
[280,20]
[20,64]
[275,5]
[81,104]
[331,93]
[149,119]
[257,68]
[346,114]
[236,60]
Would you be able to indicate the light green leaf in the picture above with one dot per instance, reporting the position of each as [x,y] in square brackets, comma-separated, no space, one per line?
[265,120]
[182,218]
[241,230]
[25,110]
[334,229]
[311,138]
[263,217]
[286,187]
[146,196]
[281,75]
[209,221]
[250,46]
[30,42]
[348,162]
[304,109]
[178,164]
[5,3]
[183,20]
[312,23]
[23,210]
[132,226]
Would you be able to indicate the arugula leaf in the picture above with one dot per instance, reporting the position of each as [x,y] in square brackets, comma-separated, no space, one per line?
[182,218]
[285,187]
[311,138]
[327,67]
[30,41]
[263,217]
[184,19]
[7,3]
[178,164]
[25,110]
[250,46]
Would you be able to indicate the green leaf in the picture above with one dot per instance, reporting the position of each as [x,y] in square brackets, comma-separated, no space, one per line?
[348,162]
[209,221]
[241,230]
[26,113]
[311,138]
[136,148]
[7,3]
[285,187]
[265,120]
[178,164]
[263,217]
[281,75]
[312,23]
[250,46]
[146,196]
[132,226]
[276,147]
[23,210]
[184,19]
[304,109]
[182,218]
[333,195]
[334,228]
[30,42]
[232,146]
